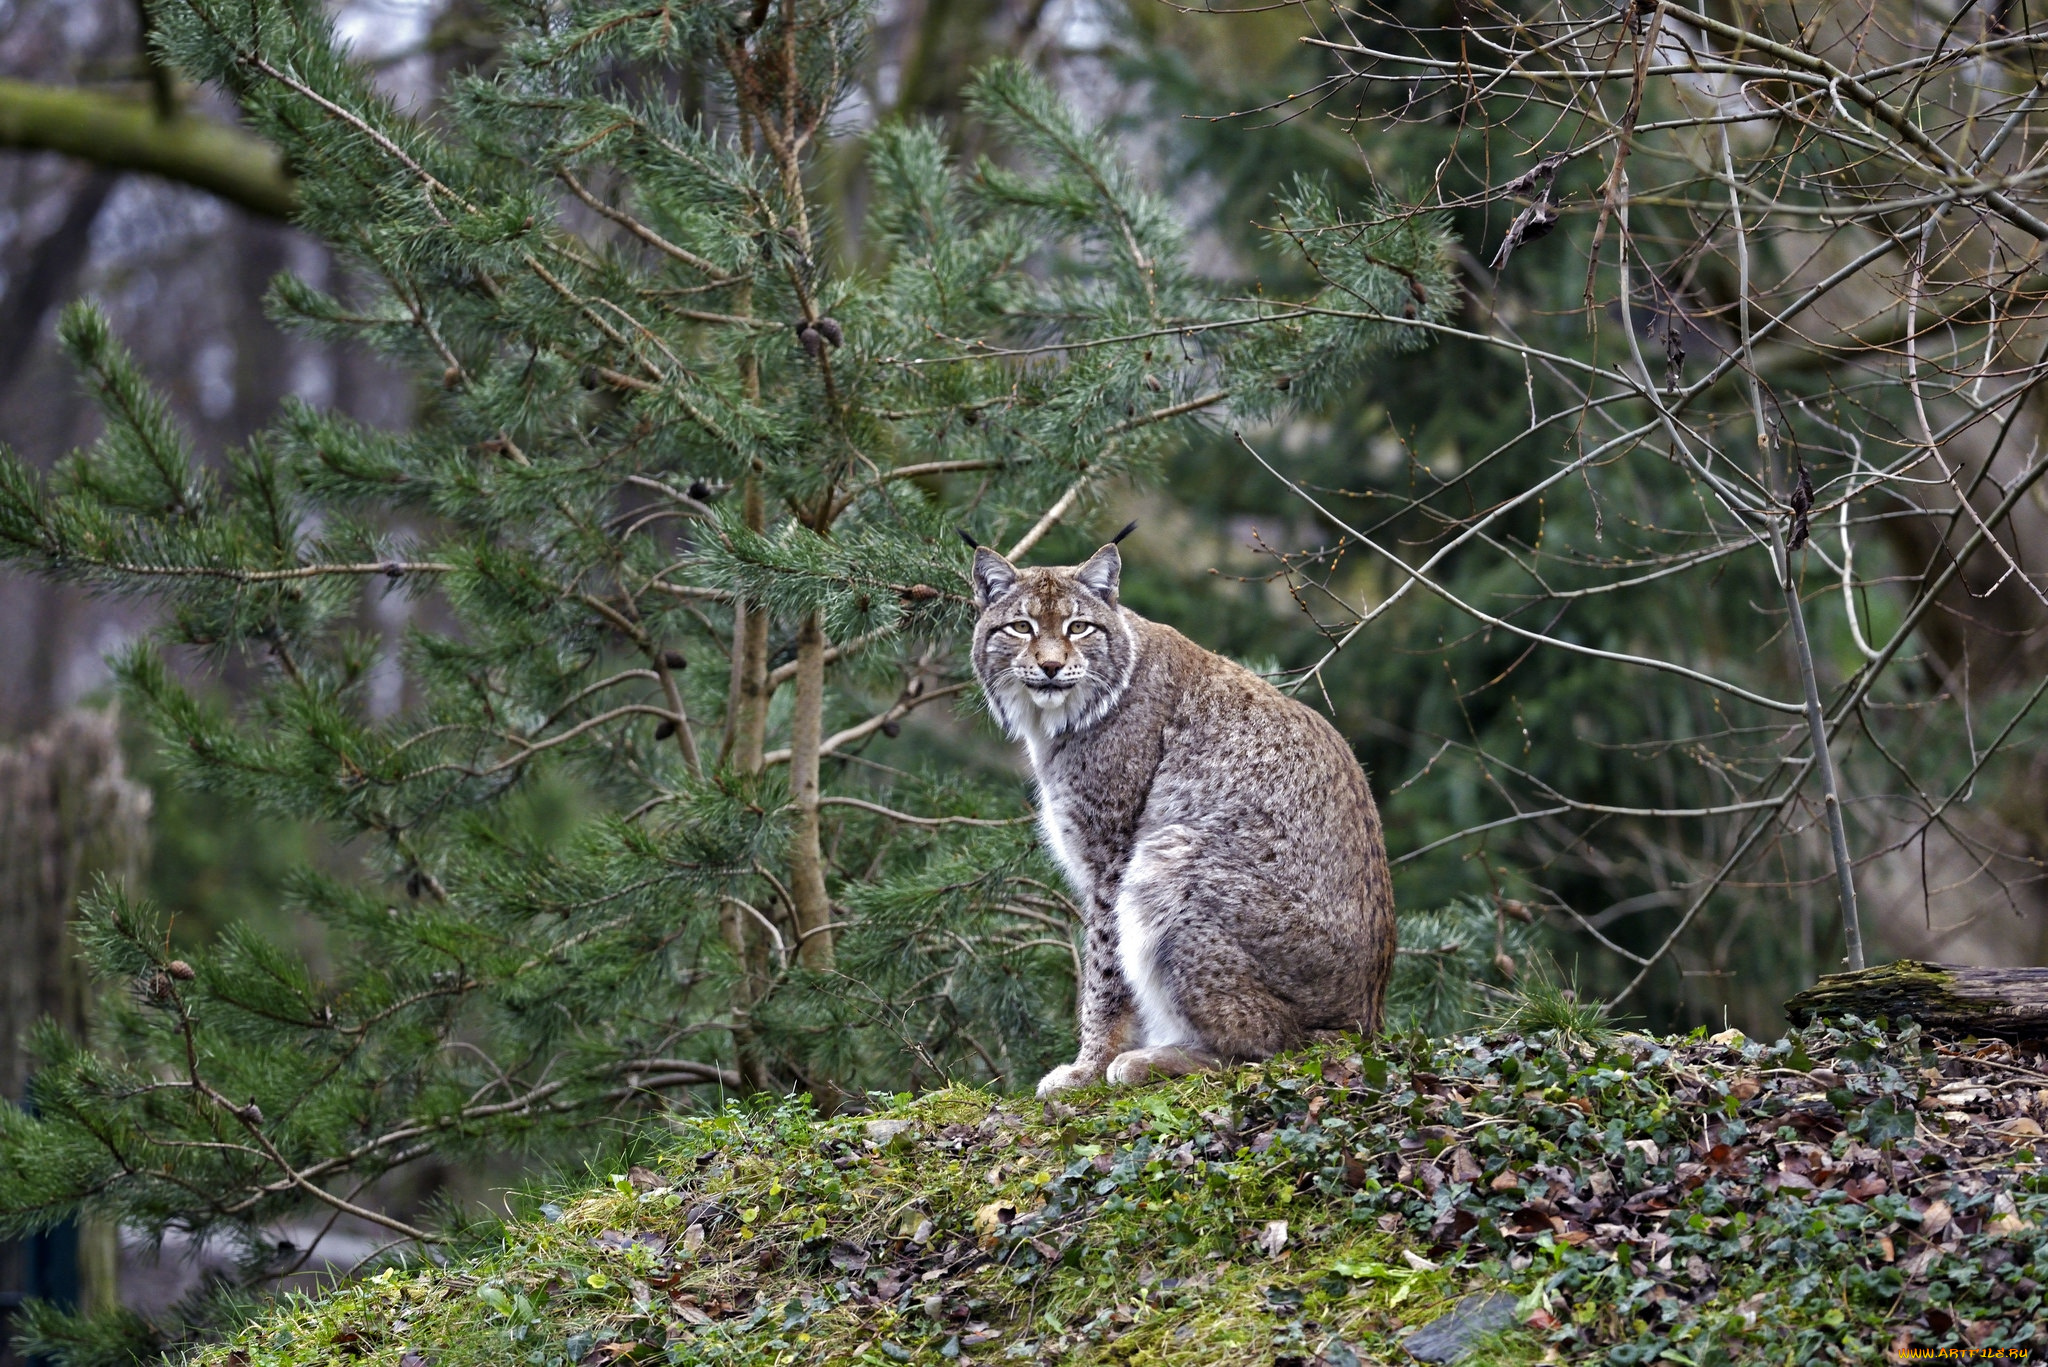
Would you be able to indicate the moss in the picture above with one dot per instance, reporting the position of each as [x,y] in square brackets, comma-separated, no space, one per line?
[1278,1214]
[1855,993]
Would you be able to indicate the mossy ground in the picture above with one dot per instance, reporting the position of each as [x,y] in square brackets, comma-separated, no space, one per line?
[1688,1201]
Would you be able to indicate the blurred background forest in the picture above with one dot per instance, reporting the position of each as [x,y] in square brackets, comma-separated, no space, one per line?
[1541,804]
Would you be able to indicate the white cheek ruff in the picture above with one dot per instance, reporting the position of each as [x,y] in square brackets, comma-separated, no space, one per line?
[1002,701]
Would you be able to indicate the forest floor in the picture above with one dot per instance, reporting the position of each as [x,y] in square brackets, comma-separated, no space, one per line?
[1842,1194]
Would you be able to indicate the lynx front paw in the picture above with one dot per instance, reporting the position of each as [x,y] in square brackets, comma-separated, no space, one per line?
[1135,1067]
[1066,1077]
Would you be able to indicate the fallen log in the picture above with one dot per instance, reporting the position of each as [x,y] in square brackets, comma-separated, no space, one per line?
[2010,1003]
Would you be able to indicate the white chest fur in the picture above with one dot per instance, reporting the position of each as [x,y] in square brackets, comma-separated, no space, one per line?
[1160,1020]
[1137,938]
[1053,828]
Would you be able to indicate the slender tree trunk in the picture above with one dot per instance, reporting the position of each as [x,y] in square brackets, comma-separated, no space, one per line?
[806,854]
[746,723]
[747,713]
[735,686]
[750,662]
[69,815]
[1830,790]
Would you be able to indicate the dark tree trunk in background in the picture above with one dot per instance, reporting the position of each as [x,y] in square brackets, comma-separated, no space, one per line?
[263,354]
[43,278]
[47,278]
[69,814]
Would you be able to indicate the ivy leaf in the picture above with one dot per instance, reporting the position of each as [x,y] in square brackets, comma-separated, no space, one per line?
[1884,1121]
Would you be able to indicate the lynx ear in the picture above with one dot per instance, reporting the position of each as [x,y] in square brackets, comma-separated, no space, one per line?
[1103,572]
[993,576]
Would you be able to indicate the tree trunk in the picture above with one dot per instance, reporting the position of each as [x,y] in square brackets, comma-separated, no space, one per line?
[69,815]
[806,854]
[52,267]
[748,708]
[746,739]
[2011,1003]
[747,729]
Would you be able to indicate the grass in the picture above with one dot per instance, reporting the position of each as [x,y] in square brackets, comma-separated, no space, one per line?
[1692,1201]
[1542,1002]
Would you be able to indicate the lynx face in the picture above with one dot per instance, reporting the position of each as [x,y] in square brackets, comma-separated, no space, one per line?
[1052,649]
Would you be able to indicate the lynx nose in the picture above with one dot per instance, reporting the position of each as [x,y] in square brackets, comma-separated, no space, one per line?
[1049,667]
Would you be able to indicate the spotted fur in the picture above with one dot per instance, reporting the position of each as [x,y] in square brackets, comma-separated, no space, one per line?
[1219,837]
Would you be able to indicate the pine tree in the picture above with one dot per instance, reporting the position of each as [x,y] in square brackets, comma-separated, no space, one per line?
[678,513]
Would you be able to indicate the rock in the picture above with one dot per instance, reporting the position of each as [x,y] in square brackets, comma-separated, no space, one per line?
[891,1134]
[1452,1336]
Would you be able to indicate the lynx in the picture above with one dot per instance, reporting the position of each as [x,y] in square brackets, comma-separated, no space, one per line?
[1219,836]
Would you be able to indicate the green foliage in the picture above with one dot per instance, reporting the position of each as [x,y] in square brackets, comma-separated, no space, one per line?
[107,1340]
[214,863]
[1658,1200]
[673,533]
[1462,726]
[1543,1002]
[1452,960]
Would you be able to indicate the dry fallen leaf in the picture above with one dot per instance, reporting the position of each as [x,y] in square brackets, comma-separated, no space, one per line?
[1272,1238]
[1963,1094]
[2005,1216]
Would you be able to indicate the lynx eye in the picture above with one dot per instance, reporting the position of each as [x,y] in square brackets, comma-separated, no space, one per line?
[1020,627]
[1076,630]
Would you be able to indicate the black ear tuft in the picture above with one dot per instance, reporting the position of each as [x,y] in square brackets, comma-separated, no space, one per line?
[976,545]
[1129,527]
